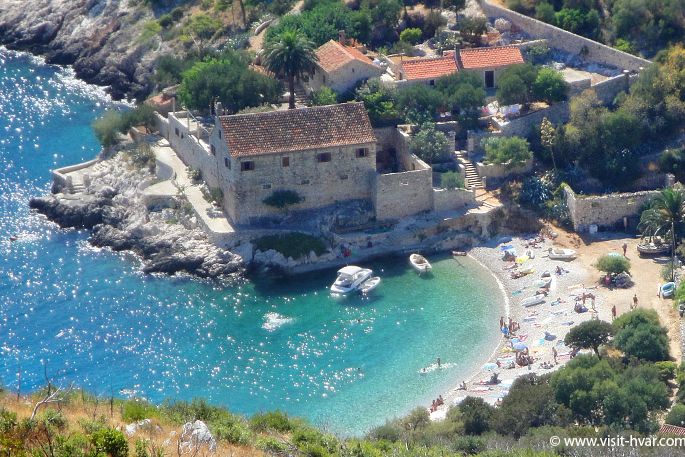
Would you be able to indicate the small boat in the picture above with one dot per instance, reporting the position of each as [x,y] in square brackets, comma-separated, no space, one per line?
[544,282]
[370,284]
[532,301]
[561,254]
[419,263]
[458,253]
[350,278]
[667,290]
[653,249]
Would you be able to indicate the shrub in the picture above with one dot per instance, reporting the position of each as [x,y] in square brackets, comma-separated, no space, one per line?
[111,442]
[195,174]
[141,115]
[273,420]
[411,35]
[143,156]
[8,420]
[232,429]
[107,128]
[137,410]
[676,416]
[283,198]
[613,264]
[550,86]
[639,334]
[451,180]
[476,415]
[324,96]
[430,144]
[515,84]
[295,245]
[589,335]
[506,150]
[667,370]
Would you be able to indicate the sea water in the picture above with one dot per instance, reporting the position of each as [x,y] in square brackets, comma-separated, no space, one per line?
[88,316]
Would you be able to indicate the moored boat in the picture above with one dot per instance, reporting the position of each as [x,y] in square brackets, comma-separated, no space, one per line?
[370,284]
[562,254]
[350,278]
[420,263]
[532,301]
[653,248]
[667,290]
[458,253]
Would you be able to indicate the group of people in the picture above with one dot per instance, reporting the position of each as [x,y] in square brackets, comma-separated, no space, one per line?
[508,329]
[437,403]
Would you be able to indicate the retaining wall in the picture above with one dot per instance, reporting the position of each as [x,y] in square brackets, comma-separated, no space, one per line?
[498,170]
[566,41]
[192,151]
[452,199]
[403,194]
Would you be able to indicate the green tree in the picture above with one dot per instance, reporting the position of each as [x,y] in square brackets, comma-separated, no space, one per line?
[107,128]
[283,198]
[506,150]
[472,28]
[465,94]
[429,144]
[324,96]
[201,28]
[380,102]
[110,442]
[664,216]
[476,415]
[613,264]
[418,100]
[550,86]
[548,138]
[290,55]
[639,334]
[590,334]
[229,81]
[544,12]
[515,84]
[411,35]
[676,416]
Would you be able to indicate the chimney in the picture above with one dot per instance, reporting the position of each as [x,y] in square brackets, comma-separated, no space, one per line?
[341,37]
[218,109]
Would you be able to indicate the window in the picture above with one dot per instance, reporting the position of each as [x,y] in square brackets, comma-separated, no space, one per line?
[247,165]
[176,132]
[489,79]
[361,152]
[227,163]
[266,186]
[213,149]
[323,157]
[181,136]
[431,82]
[219,134]
[285,161]
[324,79]
[343,177]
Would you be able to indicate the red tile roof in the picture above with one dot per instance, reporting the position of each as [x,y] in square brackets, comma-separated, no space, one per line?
[297,129]
[667,429]
[333,55]
[433,67]
[499,56]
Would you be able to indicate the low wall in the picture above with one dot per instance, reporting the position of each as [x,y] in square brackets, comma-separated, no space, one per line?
[521,126]
[59,175]
[403,194]
[605,211]
[499,171]
[566,41]
[192,151]
[452,199]
[608,89]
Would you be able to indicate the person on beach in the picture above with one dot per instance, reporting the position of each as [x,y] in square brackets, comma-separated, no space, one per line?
[613,312]
[462,386]
[625,249]
[634,302]
[439,363]
[505,331]
[554,355]
[501,321]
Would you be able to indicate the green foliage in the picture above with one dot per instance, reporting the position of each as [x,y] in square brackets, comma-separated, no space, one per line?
[451,180]
[664,214]
[476,415]
[136,410]
[550,86]
[230,81]
[418,100]
[380,102]
[111,442]
[141,115]
[429,144]
[232,429]
[290,54]
[324,96]
[506,150]
[613,264]
[589,335]
[201,27]
[538,53]
[472,28]
[465,95]
[585,23]
[667,370]
[295,245]
[515,84]
[274,420]
[142,156]
[169,69]
[411,35]
[639,334]
[673,161]
[150,30]
[107,128]
[283,198]
[676,416]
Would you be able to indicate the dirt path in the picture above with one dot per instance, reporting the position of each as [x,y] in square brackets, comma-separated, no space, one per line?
[645,271]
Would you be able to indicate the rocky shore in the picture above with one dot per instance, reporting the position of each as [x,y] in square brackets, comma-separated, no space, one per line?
[167,239]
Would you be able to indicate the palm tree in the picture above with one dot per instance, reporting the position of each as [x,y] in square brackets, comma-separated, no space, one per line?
[666,214]
[290,55]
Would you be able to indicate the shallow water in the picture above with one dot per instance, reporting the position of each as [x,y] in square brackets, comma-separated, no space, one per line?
[346,364]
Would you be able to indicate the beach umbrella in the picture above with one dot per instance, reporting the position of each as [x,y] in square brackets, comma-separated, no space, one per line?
[520,346]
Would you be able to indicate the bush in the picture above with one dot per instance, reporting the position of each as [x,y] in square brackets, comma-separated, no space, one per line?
[273,420]
[430,145]
[141,115]
[195,174]
[107,128]
[515,84]
[295,245]
[589,335]
[476,415]
[676,416]
[613,264]
[506,150]
[232,429]
[324,96]
[550,86]
[283,198]
[110,442]
[639,334]
[142,156]
[667,370]
[451,180]
[136,410]
[411,35]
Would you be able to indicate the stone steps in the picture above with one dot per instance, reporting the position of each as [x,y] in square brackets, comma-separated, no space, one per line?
[472,178]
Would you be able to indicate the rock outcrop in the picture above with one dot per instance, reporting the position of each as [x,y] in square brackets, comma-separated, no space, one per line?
[168,241]
[102,39]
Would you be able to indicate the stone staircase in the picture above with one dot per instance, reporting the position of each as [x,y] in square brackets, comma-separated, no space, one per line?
[301,96]
[473,180]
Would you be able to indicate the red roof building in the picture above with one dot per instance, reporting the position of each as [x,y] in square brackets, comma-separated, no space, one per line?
[342,67]
[486,58]
[428,70]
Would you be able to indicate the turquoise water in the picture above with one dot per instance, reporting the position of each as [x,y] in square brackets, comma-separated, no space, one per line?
[90,317]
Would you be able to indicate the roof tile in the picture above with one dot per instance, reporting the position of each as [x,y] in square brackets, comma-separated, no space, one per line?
[297,130]
[333,55]
[433,67]
[498,56]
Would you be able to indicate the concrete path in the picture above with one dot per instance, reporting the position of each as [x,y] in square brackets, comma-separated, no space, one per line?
[212,217]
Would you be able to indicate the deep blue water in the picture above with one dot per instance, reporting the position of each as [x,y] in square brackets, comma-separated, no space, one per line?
[90,317]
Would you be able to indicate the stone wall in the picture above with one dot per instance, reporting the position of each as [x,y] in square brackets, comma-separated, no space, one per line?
[605,211]
[345,77]
[566,41]
[194,152]
[452,199]
[499,171]
[608,89]
[521,126]
[403,194]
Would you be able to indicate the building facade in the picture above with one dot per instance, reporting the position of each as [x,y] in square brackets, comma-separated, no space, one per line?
[341,67]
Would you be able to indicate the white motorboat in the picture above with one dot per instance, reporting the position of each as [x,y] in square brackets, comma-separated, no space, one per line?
[350,278]
[667,290]
[419,263]
[370,284]
[532,301]
[561,254]
[653,248]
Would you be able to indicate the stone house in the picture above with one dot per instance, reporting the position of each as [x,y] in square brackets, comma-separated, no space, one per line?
[326,154]
[426,71]
[342,67]
[489,61]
